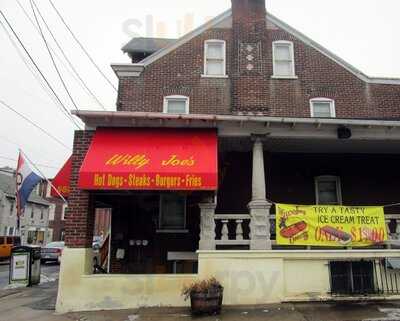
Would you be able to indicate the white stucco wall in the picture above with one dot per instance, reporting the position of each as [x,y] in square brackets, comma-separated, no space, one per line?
[248,277]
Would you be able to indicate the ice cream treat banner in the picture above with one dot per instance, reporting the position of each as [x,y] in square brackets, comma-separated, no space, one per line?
[319,225]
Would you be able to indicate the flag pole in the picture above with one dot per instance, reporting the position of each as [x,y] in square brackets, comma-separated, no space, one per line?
[44,176]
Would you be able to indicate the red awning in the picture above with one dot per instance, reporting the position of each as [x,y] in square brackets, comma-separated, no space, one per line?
[62,180]
[151,159]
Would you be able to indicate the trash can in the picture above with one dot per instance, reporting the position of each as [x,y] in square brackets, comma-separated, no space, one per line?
[25,265]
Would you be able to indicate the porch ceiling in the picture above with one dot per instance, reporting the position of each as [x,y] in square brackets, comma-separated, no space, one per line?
[292,145]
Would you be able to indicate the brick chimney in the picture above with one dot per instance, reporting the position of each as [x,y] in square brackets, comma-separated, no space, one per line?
[249,16]
[249,43]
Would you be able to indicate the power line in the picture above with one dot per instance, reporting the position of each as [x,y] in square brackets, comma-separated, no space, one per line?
[74,72]
[82,47]
[51,56]
[16,160]
[33,124]
[30,68]
[38,69]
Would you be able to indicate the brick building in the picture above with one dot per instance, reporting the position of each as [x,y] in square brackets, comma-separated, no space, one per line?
[210,131]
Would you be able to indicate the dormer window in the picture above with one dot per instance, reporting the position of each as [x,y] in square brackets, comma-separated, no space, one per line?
[283,59]
[176,105]
[214,58]
[322,108]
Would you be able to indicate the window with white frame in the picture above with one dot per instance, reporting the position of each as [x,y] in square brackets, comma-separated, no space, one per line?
[172,212]
[64,209]
[214,58]
[328,190]
[283,58]
[322,108]
[176,105]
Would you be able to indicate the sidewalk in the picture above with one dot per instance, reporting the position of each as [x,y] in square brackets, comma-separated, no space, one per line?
[37,304]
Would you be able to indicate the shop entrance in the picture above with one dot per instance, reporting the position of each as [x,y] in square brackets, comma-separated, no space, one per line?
[153,232]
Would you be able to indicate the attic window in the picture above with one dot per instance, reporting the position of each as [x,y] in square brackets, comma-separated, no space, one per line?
[176,105]
[214,58]
[322,108]
[283,58]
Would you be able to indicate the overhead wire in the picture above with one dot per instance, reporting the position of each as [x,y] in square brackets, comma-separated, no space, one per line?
[82,47]
[16,160]
[52,58]
[38,69]
[33,124]
[30,68]
[73,71]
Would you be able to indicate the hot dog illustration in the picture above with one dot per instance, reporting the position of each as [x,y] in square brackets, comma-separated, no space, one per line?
[294,229]
[344,237]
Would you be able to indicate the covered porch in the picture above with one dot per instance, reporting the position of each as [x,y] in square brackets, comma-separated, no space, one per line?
[231,234]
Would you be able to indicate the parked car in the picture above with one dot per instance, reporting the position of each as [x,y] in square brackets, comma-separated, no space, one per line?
[52,252]
[6,244]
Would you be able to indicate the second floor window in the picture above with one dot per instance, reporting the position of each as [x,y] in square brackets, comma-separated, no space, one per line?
[328,190]
[283,56]
[176,105]
[214,58]
[322,108]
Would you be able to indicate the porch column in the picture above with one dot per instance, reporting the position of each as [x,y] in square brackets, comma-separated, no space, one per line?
[207,226]
[260,238]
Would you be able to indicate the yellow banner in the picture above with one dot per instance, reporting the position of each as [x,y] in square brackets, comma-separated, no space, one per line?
[320,225]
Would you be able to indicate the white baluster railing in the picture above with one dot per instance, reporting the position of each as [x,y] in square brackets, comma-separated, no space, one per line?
[237,220]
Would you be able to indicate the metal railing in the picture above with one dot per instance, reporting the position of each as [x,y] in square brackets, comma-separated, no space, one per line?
[365,278]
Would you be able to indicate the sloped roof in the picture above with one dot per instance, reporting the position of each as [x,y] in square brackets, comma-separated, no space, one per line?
[7,186]
[147,45]
[279,23]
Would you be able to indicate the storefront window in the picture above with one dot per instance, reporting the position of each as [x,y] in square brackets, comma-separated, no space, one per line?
[172,212]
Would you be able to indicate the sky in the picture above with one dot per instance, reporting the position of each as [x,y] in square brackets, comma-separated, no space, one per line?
[365,33]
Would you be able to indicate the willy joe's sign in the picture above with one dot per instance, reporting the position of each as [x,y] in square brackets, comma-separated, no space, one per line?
[151,159]
[320,225]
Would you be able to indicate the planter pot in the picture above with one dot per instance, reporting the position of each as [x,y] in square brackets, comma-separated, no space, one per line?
[206,303]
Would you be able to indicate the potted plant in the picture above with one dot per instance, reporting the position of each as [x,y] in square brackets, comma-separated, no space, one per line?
[205,296]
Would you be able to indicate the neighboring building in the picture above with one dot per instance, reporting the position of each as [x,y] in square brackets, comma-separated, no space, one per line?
[208,130]
[34,223]
[57,217]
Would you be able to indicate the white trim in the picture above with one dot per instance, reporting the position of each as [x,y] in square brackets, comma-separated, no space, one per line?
[329,178]
[373,80]
[177,97]
[279,23]
[206,44]
[291,50]
[102,118]
[208,25]
[284,77]
[323,100]
[215,76]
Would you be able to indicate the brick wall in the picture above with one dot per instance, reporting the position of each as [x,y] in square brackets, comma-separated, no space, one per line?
[179,72]
[79,217]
